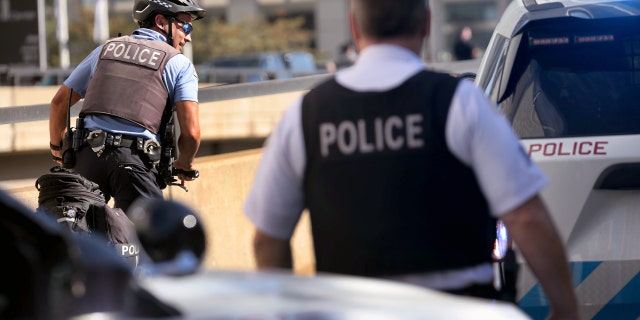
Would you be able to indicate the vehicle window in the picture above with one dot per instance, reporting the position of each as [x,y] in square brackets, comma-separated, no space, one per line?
[238,62]
[300,62]
[272,62]
[577,81]
[495,64]
[248,63]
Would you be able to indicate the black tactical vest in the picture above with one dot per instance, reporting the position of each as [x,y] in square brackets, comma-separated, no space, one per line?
[128,81]
[385,194]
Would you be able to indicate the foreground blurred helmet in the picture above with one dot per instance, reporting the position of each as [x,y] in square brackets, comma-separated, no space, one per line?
[145,9]
[167,229]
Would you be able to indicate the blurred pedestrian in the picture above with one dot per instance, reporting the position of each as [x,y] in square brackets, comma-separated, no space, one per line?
[347,55]
[463,48]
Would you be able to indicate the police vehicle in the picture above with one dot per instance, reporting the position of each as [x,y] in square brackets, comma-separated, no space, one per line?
[566,74]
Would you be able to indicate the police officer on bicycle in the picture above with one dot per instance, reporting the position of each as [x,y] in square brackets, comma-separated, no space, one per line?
[131,86]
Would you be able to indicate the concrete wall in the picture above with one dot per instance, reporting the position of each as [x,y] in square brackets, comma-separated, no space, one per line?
[225,179]
[27,95]
[218,196]
[252,117]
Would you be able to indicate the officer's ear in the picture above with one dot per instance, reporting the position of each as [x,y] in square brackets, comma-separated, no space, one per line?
[160,21]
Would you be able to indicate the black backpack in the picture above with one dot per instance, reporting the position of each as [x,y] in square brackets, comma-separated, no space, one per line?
[78,202]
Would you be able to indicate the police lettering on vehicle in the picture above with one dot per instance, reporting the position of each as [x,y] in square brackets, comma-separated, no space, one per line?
[133,53]
[367,136]
[571,148]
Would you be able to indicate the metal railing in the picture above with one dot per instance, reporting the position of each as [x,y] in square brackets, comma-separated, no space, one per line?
[17,114]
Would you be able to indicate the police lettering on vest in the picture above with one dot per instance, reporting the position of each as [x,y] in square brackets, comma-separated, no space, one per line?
[128,250]
[365,136]
[133,53]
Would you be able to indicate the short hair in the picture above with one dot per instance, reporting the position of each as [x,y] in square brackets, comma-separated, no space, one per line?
[383,19]
[149,23]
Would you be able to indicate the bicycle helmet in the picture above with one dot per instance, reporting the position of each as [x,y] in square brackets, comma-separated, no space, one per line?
[145,9]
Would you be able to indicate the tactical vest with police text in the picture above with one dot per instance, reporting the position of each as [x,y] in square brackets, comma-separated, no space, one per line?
[128,81]
[385,194]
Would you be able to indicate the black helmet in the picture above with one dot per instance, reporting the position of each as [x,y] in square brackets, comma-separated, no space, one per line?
[145,9]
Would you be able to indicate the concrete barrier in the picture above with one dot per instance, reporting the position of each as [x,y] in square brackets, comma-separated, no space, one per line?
[218,196]
[250,117]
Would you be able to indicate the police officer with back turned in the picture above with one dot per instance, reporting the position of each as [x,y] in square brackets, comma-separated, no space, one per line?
[403,171]
[131,86]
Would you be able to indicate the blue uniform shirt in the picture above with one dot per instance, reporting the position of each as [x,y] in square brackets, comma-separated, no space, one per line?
[179,77]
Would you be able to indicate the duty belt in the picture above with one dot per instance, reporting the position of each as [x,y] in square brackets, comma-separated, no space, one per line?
[120,140]
[99,139]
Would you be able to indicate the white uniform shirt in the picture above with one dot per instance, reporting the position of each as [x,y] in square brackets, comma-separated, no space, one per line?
[475,133]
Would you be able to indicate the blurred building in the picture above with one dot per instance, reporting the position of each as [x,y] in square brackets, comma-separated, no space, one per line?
[328,18]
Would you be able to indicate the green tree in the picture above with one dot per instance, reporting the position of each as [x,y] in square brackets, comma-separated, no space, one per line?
[217,38]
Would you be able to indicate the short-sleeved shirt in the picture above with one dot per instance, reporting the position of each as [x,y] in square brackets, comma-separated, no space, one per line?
[475,133]
[179,77]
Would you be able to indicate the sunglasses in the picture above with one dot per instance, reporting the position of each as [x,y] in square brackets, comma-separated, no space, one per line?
[187,27]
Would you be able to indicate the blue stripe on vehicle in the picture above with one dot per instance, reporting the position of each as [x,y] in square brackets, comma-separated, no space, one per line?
[581,270]
[625,304]
[535,304]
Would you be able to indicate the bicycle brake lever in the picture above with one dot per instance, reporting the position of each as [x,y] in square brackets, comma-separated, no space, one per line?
[191,174]
[179,185]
